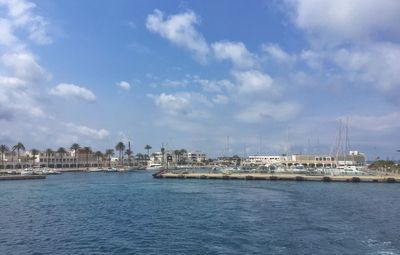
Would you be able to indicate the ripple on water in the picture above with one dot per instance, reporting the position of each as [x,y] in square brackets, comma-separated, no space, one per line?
[135,214]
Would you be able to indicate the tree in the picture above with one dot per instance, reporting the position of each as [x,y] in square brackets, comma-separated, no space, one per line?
[34,152]
[3,150]
[162,155]
[49,152]
[148,148]
[109,153]
[120,147]
[19,146]
[61,152]
[87,150]
[75,147]
[182,153]
[177,154]
[98,155]
[129,153]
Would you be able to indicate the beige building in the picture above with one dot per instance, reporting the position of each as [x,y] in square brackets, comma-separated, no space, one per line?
[353,158]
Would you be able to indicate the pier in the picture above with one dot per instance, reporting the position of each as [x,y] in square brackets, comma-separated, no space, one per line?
[21,177]
[279,177]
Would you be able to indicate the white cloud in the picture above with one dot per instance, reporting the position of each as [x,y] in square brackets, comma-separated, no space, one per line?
[22,76]
[73,91]
[220,99]
[376,123]
[175,83]
[378,64]
[236,52]
[7,36]
[254,82]
[214,85]
[21,15]
[174,104]
[275,51]
[124,85]
[25,66]
[99,134]
[351,43]
[11,82]
[179,29]
[343,21]
[182,104]
[12,91]
[263,111]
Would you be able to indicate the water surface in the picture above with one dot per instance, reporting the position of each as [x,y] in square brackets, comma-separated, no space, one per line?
[132,213]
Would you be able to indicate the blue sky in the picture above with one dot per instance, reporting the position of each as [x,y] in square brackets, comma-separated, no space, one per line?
[189,74]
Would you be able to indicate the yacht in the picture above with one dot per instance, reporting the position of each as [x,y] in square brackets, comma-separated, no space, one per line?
[342,170]
[27,171]
[154,166]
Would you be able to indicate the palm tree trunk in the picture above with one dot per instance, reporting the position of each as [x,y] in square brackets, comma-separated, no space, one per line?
[19,163]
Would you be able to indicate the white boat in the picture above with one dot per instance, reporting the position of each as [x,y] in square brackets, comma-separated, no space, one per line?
[226,169]
[27,171]
[112,169]
[96,170]
[342,170]
[297,168]
[154,167]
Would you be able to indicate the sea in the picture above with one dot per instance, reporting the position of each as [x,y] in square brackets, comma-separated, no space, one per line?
[132,213]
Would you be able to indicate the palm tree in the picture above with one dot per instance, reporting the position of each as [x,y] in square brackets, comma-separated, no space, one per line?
[139,157]
[162,154]
[34,152]
[108,154]
[87,151]
[61,151]
[19,146]
[182,152]
[120,147]
[3,150]
[49,152]
[98,155]
[129,152]
[177,154]
[75,147]
[148,148]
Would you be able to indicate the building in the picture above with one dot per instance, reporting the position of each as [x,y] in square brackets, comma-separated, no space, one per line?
[181,158]
[353,158]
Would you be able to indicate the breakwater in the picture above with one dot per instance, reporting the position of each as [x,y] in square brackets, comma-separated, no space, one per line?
[278,177]
[21,177]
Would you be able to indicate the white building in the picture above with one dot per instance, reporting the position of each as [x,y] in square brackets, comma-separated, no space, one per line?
[264,160]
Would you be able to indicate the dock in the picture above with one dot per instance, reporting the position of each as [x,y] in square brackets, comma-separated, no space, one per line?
[21,177]
[279,177]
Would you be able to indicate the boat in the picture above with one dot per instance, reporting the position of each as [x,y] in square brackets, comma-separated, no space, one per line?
[45,170]
[111,169]
[96,169]
[154,166]
[27,171]
[342,170]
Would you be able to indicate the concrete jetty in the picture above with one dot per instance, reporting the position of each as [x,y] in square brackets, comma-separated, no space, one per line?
[13,177]
[278,177]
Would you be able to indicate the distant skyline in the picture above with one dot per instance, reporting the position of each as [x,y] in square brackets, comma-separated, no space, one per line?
[270,74]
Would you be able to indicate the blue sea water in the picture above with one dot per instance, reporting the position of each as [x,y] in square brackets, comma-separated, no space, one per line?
[132,213]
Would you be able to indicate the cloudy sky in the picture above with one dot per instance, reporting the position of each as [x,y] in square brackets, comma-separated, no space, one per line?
[274,76]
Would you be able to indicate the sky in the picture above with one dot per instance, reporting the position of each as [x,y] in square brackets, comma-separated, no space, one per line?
[274,76]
